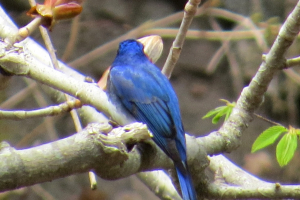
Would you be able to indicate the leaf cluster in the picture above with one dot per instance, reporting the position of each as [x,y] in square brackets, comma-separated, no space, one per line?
[286,146]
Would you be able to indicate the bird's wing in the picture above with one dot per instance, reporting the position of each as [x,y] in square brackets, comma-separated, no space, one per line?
[145,94]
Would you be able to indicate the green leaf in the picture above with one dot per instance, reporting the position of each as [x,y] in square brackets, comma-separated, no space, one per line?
[298,132]
[228,113]
[267,137]
[286,148]
[213,112]
[220,114]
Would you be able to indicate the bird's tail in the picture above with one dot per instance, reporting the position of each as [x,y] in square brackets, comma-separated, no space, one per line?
[186,183]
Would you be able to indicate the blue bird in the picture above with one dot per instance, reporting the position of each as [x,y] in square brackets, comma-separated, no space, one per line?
[140,87]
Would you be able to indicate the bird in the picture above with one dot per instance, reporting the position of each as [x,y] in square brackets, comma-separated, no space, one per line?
[138,85]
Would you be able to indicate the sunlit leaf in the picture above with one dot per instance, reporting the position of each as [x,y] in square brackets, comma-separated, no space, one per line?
[286,148]
[220,112]
[268,137]
[213,112]
[228,113]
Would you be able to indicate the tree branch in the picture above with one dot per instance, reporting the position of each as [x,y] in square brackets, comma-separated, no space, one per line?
[22,64]
[89,149]
[43,112]
[189,13]
[251,96]
[228,138]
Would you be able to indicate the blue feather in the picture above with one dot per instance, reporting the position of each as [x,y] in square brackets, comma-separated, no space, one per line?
[140,87]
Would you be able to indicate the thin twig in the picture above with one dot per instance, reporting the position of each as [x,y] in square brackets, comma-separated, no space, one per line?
[267,120]
[44,112]
[190,11]
[73,113]
[23,32]
[51,51]
[49,47]
[293,62]
[41,101]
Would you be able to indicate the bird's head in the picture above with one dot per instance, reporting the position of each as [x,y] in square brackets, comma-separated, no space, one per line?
[131,47]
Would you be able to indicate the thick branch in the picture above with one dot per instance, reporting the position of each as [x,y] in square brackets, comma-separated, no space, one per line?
[81,152]
[266,191]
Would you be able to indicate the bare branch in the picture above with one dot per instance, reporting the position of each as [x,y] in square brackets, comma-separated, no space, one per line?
[189,13]
[266,191]
[293,62]
[49,111]
[243,184]
[83,151]
[19,63]
[23,32]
